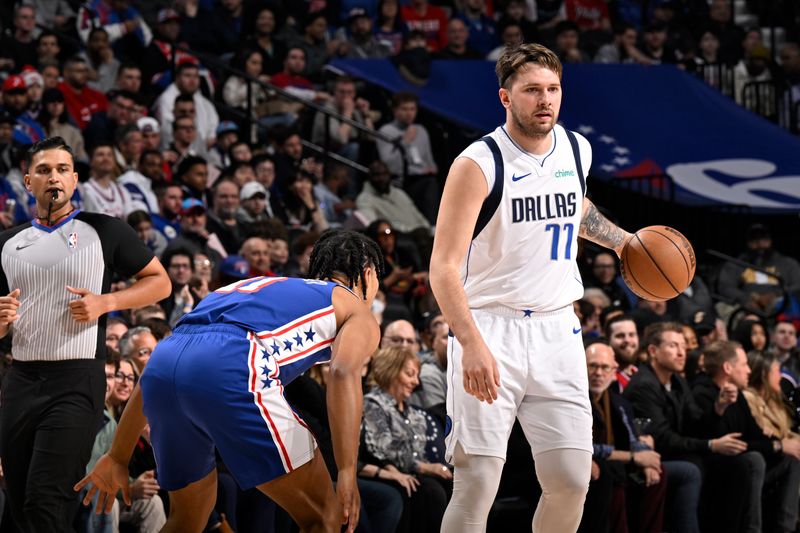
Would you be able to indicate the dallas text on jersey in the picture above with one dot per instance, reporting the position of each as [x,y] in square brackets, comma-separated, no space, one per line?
[543,207]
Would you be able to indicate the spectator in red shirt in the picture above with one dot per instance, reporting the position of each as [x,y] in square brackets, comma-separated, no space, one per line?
[431,20]
[291,79]
[82,101]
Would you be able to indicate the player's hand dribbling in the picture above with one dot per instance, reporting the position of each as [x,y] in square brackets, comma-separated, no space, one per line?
[8,308]
[88,307]
[107,477]
[349,499]
[481,376]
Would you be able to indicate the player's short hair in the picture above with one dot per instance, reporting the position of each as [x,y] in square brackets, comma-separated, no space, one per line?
[514,58]
[717,354]
[388,363]
[50,143]
[346,253]
[654,333]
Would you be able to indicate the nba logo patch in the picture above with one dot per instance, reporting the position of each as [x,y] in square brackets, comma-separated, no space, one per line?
[72,241]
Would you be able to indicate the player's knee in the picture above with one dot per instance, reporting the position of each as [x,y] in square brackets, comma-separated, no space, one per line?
[327,520]
[565,473]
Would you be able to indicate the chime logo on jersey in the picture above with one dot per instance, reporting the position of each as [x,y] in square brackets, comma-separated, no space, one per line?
[72,240]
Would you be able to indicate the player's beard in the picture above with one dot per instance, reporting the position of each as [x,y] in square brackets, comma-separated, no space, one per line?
[529,127]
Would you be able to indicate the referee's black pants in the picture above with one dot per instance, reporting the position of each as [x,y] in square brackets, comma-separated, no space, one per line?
[51,411]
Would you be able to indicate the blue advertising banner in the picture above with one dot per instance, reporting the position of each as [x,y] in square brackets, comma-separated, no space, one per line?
[640,120]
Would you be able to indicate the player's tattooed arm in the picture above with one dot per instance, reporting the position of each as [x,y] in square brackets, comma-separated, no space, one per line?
[598,229]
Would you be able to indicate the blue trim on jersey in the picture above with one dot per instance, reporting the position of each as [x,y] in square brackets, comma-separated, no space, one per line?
[525,152]
[576,153]
[492,201]
[51,229]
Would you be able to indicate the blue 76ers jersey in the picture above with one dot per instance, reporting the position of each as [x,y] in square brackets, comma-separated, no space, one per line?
[291,321]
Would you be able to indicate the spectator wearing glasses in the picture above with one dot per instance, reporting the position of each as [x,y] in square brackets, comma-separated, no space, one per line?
[137,345]
[403,439]
[146,512]
[125,380]
[179,263]
[121,112]
[184,143]
[400,334]
[628,484]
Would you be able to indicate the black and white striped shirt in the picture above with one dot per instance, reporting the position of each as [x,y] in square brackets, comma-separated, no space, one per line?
[83,250]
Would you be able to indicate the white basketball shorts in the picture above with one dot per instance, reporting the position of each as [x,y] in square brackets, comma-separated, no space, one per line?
[543,383]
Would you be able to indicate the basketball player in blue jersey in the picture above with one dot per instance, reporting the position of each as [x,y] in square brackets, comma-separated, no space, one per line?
[218,382]
[504,273]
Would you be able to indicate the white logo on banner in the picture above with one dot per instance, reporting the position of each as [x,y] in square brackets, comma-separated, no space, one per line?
[751,179]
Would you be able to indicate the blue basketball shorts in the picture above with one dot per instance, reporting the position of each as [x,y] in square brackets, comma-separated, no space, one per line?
[215,386]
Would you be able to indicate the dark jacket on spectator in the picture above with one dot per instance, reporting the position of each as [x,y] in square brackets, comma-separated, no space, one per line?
[737,418]
[678,424]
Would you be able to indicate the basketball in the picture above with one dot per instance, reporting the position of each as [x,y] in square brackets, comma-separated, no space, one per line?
[658,263]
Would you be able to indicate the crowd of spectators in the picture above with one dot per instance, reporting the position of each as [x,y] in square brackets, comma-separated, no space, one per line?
[163,140]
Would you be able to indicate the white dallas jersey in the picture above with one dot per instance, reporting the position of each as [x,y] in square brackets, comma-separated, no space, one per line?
[524,254]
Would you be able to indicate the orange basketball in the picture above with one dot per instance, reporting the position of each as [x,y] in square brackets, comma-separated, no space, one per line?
[658,263]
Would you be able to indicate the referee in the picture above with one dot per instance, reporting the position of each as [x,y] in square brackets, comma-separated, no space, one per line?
[56,274]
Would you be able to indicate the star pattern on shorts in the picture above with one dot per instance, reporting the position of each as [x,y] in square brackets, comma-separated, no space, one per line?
[310,334]
[298,339]
[276,349]
[266,381]
[287,346]
[528,313]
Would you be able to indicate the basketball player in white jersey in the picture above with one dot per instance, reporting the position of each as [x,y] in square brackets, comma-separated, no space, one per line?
[504,273]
